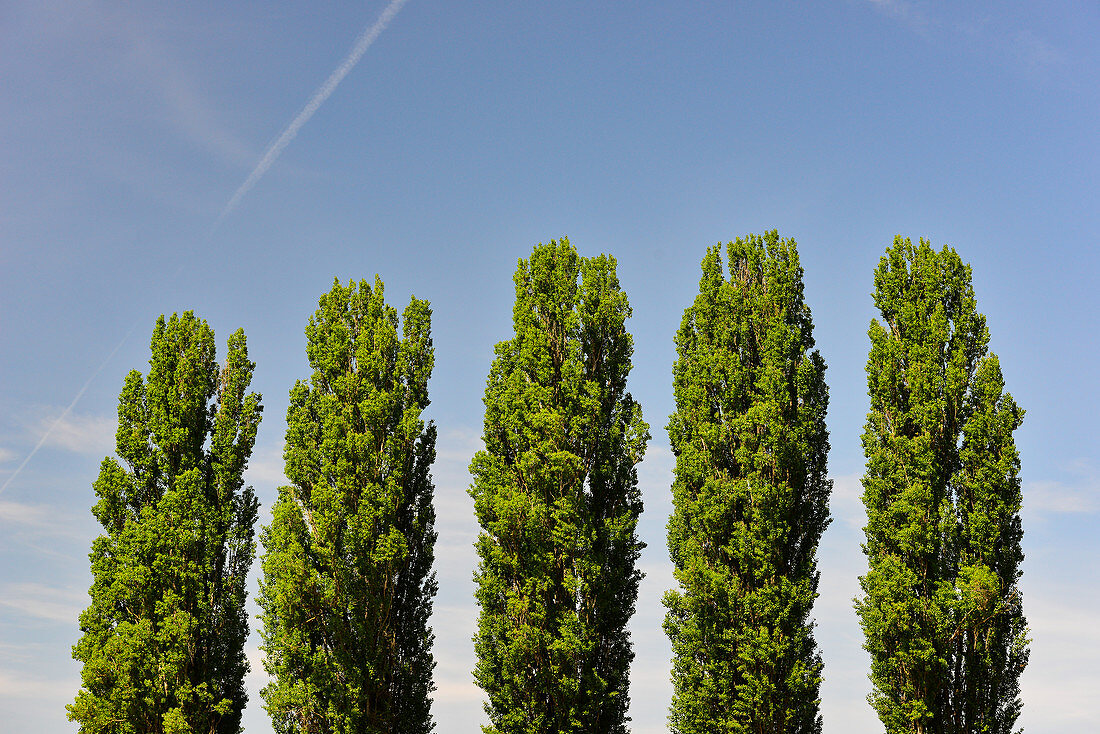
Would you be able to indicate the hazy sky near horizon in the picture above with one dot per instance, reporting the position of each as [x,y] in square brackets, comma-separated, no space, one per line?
[226,158]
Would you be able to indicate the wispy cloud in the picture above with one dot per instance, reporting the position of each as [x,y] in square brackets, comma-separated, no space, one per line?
[44,523]
[906,12]
[65,413]
[18,685]
[1035,54]
[454,647]
[841,561]
[167,78]
[121,43]
[265,468]
[846,502]
[453,506]
[454,619]
[42,602]
[42,519]
[80,433]
[656,468]
[650,686]
[257,677]
[364,42]
[1063,675]
[1080,494]
[7,455]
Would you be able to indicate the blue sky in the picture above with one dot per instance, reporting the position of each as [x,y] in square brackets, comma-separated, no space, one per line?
[466,134]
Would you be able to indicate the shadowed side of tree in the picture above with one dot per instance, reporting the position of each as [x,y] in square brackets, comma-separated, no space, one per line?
[347,584]
[750,497]
[555,491]
[941,608]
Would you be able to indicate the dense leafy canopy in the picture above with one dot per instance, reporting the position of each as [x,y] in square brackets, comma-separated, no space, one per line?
[750,497]
[347,584]
[555,491]
[163,637]
[941,606]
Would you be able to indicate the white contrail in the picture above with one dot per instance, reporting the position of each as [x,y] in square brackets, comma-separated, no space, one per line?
[323,92]
[66,412]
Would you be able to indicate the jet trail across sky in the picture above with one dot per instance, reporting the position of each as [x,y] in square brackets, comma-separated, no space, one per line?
[323,92]
[65,413]
[366,38]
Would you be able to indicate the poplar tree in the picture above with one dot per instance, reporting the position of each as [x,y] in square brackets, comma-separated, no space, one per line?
[556,493]
[347,584]
[750,497]
[941,607]
[163,638]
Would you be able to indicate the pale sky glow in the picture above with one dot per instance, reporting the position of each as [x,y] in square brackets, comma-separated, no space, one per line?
[233,158]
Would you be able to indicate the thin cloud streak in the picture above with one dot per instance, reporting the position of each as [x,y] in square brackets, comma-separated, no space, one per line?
[17,686]
[65,413]
[904,11]
[82,433]
[364,42]
[43,602]
[1035,54]
[43,520]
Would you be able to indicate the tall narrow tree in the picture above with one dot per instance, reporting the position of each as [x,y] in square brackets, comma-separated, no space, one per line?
[941,606]
[750,497]
[163,637]
[347,587]
[555,491]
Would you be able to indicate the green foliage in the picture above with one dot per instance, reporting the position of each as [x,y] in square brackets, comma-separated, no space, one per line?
[941,607]
[347,587]
[555,491]
[163,638]
[750,497]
